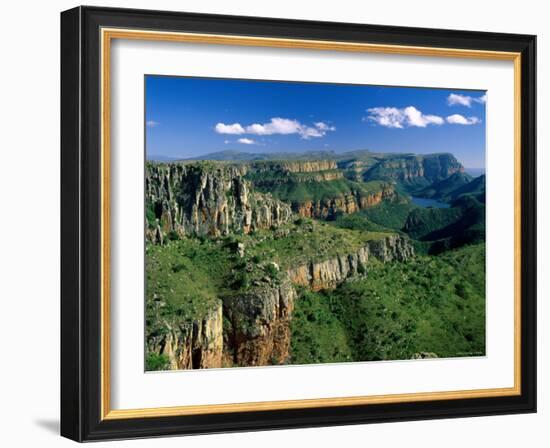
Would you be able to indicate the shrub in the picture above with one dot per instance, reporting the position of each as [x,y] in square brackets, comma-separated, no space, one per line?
[156,361]
[242,280]
[272,270]
[172,235]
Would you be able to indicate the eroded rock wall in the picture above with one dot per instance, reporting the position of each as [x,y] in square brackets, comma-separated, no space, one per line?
[206,199]
[350,203]
[260,324]
[194,344]
[326,274]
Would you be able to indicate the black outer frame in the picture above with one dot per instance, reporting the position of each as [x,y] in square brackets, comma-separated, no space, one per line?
[80,223]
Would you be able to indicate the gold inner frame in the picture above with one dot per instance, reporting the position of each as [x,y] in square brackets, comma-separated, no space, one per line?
[107,35]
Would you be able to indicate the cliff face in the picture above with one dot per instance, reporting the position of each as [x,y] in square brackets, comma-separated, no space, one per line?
[251,327]
[329,273]
[206,199]
[260,324]
[315,189]
[349,203]
[269,175]
[248,324]
[295,166]
[431,168]
[192,345]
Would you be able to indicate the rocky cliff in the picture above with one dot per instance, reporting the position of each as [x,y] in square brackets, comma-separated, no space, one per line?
[259,332]
[206,198]
[329,273]
[328,208]
[293,166]
[196,344]
[409,168]
[316,188]
[251,326]
[270,175]
[248,323]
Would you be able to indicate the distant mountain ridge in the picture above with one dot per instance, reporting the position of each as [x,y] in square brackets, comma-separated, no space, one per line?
[326,183]
[235,156]
[412,171]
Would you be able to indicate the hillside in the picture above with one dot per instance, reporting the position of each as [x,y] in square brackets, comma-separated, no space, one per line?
[256,261]
[444,228]
[444,189]
[426,307]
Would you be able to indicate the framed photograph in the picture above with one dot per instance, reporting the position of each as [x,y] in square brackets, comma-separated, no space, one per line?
[276,224]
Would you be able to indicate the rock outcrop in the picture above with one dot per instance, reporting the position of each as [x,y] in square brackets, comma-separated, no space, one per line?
[409,168]
[196,344]
[257,319]
[206,199]
[260,324]
[326,274]
[272,174]
[350,203]
[293,166]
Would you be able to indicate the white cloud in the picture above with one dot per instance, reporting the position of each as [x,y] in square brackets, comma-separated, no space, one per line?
[234,129]
[151,123]
[455,99]
[460,119]
[418,119]
[390,117]
[277,125]
[226,142]
[393,117]
[324,127]
[246,141]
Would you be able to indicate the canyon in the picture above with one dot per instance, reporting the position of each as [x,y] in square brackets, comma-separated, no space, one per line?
[258,331]
[234,246]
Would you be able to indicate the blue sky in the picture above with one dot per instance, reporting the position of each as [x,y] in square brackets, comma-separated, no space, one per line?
[190,117]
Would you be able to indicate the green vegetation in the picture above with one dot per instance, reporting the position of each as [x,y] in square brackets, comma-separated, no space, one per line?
[295,188]
[318,335]
[299,192]
[434,303]
[186,274]
[307,240]
[442,229]
[358,221]
[422,222]
[390,214]
[475,188]
[429,304]
[444,188]
[187,278]
[154,361]
[183,280]
[150,216]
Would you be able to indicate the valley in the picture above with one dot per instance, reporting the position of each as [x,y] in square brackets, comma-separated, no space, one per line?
[285,258]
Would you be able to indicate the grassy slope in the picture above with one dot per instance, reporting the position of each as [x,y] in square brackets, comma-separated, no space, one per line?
[475,188]
[444,188]
[296,188]
[306,240]
[433,304]
[386,216]
[429,304]
[421,222]
[442,229]
[186,278]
